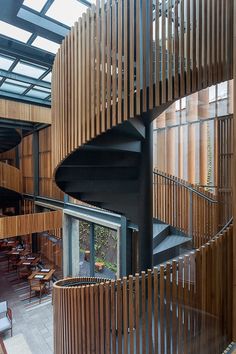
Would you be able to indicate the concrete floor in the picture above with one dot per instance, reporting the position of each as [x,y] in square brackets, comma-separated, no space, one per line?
[32,322]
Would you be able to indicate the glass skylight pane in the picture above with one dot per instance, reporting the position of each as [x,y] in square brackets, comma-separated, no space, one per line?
[45,44]
[12,88]
[42,89]
[15,82]
[14,32]
[5,63]
[28,70]
[66,12]
[37,94]
[48,77]
[36,5]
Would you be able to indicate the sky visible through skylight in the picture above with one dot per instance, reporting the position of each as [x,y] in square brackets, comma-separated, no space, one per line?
[66,12]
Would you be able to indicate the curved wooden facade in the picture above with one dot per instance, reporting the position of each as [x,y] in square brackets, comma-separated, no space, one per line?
[175,309]
[10,177]
[124,60]
[104,73]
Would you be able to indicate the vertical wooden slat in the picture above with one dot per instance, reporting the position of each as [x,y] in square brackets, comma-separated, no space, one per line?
[131,314]
[119,316]
[103,69]
[149,310]
[120,52]
[126,56]
[182,51]
[168,309]
[157,50]
[114,61]
[176,51]
[150,95]
[108,318]
[170,86]
[108,61]
[137,311]
[162,310]
[156,312]
[125,316]
[131,57]
[143,302]
[98,35]
[163,51]
[138,58]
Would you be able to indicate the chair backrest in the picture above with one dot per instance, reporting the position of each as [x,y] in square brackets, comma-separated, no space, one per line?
[36,283]
[3,307]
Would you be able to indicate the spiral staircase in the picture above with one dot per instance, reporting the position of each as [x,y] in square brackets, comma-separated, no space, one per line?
[109,85]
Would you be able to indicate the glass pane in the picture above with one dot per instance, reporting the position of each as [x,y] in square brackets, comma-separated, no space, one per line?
[15,82]
[48,77]
[14,32]
[222,90]
[29,70]
[45,44]
[105,252]
[212,94]
[42,89]
[37,94]
[12,88]
[5,63]
[66,12]
[84,245]
[36,5]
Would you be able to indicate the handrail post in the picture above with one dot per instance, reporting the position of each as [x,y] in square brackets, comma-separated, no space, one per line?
[190,226]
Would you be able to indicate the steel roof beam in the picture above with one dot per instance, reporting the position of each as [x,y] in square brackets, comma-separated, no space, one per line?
[23,78]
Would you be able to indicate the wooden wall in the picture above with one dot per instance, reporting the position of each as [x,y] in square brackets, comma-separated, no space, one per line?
[26,164]
[174,309]
[47,186]
[24,111]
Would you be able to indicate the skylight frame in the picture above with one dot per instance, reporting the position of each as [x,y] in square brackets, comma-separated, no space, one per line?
[16,33]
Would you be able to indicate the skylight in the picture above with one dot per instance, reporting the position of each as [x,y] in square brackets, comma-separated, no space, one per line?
[5,63]
[66,12]
[46,44]
[14,32]
[48,77]
[37,94]
[15,82]
[12,88]
[29,70]
[42,89]
[36,5]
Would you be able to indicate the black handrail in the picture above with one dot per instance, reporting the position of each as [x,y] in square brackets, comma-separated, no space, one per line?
[187,186]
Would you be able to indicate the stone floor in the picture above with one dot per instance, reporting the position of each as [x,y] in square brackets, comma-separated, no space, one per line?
[32,322]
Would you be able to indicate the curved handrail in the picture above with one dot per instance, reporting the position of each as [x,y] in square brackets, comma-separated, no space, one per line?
[184,184]
[10,177]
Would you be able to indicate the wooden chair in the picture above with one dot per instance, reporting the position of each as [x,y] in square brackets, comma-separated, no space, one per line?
[37,286]
[23,272]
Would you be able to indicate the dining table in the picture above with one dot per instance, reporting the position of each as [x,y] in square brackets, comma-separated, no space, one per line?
[44,275]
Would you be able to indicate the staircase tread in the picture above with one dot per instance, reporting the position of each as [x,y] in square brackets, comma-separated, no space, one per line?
[158,228]
[170,242]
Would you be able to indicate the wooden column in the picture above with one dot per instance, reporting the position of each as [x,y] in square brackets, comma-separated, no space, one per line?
[234,184]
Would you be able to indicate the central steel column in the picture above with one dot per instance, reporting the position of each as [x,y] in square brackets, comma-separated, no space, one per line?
[146,199]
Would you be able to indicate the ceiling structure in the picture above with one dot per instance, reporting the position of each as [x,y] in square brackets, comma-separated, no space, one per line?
[30,34]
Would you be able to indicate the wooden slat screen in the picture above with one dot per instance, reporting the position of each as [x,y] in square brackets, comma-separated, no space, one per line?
[29,223]
[121,55]
[192,313]
[47,186]
[26,163]
[10,178]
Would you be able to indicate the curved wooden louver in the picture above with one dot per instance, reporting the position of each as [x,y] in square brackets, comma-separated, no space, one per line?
[10,178]
[109,68]
[29,223]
